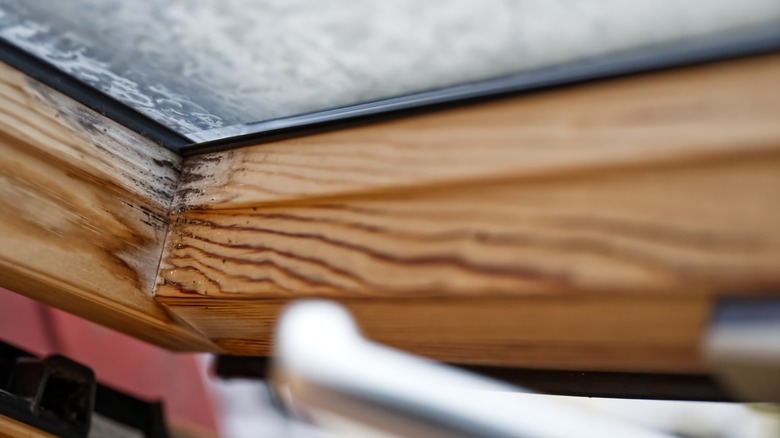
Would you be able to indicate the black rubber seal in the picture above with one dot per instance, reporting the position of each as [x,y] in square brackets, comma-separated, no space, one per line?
[90,97]
[665,56]
[690,52]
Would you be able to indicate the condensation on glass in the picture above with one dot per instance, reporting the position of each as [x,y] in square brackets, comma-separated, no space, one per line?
[211,69]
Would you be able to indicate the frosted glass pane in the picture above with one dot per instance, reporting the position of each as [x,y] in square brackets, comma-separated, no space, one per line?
[214,68]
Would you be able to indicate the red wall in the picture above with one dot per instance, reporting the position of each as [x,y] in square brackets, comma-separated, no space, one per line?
[119,361]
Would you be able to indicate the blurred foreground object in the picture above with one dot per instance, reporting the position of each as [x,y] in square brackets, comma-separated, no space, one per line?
[134,377]
[328,372]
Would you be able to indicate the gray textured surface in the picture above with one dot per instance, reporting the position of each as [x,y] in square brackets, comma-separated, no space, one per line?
[196,65]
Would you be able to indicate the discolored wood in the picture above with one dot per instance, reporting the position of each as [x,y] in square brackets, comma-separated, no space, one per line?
[717,109]
[695,229]
[698,225]
[604,218]
[590,227]
[84,206]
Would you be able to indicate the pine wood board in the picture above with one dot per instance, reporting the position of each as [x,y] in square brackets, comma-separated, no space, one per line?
[604,332]
[654,247]
[84,205]
[658,193]
[587,227]
[719,109]
[701,224]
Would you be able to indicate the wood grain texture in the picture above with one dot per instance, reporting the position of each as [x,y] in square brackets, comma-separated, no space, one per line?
[693,229]
[712,110]
[84,206]
[694,225]
[607,216]
[607,332]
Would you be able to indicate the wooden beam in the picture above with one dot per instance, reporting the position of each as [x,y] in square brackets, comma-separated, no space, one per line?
[697,112]
[590,227]
[647,239]
[84,205]
[685,226]
[605,332]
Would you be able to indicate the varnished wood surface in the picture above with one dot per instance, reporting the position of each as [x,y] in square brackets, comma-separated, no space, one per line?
[697,225]
[589,227]
[718,109]
[606,332]
[685,231]
[461,235]
[83,205]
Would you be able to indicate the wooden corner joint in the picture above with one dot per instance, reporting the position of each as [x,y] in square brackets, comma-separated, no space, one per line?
[589,227]
[585,228]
